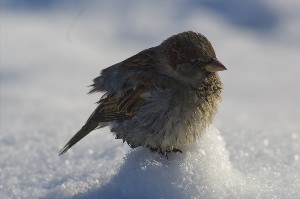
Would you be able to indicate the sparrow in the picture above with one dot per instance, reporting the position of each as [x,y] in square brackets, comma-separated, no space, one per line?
[162,98]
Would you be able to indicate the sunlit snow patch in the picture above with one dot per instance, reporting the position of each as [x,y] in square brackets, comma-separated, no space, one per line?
[203,170]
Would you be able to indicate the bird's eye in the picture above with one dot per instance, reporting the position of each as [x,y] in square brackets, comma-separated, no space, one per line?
[199,62]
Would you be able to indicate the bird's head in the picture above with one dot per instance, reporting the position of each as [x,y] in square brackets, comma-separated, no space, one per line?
[189,57]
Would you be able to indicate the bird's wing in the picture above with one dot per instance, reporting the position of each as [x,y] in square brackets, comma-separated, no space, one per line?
[111,108]
[124,84]
[144,60]
[113,77]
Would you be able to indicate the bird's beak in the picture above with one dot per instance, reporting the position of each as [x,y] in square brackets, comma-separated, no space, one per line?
[214,66]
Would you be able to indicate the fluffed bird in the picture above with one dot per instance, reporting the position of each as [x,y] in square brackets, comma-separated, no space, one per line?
[161,98]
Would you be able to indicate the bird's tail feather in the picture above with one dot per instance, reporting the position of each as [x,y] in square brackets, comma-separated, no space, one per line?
[86,129]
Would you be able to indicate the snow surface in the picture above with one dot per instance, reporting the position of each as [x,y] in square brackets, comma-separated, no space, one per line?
[50,53]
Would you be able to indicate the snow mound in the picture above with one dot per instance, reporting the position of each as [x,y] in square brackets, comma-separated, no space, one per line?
[203,170]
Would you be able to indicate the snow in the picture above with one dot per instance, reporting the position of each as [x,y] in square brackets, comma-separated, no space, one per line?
[48,55]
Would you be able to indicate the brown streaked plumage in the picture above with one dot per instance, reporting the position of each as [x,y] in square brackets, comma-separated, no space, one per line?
[161,98]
